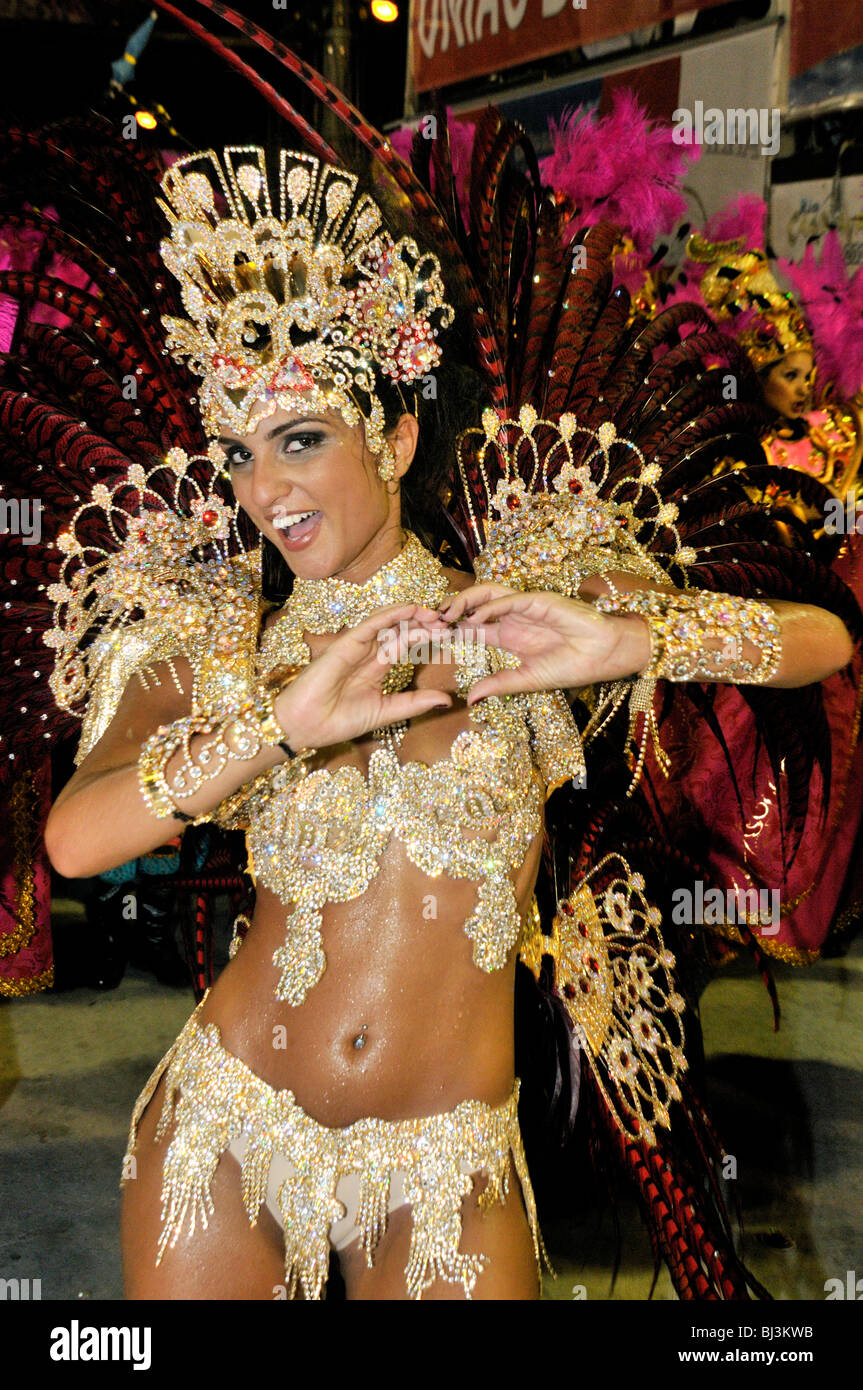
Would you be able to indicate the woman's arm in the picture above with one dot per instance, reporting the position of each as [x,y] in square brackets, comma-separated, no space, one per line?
[101,819]
[565,643]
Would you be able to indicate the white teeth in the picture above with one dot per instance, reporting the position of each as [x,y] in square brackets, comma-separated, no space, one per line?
[282,523]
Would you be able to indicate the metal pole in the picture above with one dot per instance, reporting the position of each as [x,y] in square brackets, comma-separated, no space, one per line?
[337,63]
[410,98]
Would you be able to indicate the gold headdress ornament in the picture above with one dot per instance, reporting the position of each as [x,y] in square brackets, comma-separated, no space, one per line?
[740,284]
[298,298]
[551,520]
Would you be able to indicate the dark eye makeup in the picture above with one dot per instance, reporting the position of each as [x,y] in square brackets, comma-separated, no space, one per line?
[297,442]
[235,454]
[304,439]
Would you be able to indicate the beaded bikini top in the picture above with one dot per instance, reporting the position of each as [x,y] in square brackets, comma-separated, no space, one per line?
[320,839]
[470,815]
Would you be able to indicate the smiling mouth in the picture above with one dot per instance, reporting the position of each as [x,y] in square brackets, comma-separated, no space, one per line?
[295,525]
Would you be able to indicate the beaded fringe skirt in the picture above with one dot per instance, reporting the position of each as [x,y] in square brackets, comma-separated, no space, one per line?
[212,1099]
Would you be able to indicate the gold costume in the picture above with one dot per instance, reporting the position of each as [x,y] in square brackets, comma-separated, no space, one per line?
[296,300]
[320,839]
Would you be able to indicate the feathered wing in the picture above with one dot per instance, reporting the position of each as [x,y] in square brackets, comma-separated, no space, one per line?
[86,391]
[86,387]
[684,395]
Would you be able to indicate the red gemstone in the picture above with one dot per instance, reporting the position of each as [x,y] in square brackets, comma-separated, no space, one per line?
[568,909]
[512,501]
[142,535]
[575,487]
[209,517]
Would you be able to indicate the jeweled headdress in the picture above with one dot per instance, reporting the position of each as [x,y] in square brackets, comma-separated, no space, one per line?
[739,286]
[298,297]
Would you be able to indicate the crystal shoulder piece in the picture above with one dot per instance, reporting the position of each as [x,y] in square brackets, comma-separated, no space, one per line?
[568,502]
[169,586]
[565,502]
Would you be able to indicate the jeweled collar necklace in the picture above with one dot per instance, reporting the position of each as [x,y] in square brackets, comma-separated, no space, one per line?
[328,605]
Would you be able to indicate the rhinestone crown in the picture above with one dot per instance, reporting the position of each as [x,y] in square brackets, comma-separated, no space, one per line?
[297,296]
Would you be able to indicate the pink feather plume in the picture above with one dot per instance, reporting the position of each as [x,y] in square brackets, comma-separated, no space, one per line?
[623,168]
[744,218]
[832,302]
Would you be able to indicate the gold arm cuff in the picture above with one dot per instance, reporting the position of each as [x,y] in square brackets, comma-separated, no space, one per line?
[681,625]
[155,753]
[240,733]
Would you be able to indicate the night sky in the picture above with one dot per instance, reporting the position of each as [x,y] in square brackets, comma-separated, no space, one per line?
[50,68]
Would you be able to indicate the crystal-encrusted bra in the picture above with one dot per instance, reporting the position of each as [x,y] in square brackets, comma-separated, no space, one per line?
[472,815]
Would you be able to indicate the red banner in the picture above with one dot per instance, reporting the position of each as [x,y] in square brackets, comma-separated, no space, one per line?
[818,31]
[456,39]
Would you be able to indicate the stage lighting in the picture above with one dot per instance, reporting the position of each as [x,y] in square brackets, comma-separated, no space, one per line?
[385,10]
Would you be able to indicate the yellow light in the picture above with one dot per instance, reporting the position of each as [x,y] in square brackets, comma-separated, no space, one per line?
[146,120]
[385,10]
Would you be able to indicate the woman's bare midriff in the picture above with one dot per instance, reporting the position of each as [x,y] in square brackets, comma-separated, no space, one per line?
[402,1023]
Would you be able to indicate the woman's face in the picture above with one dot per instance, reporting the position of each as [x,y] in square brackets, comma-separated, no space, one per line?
[310,485]
[787,385]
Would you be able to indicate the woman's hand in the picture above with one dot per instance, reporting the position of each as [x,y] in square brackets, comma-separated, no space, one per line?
[561,642]
[564,643]
[338,696]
